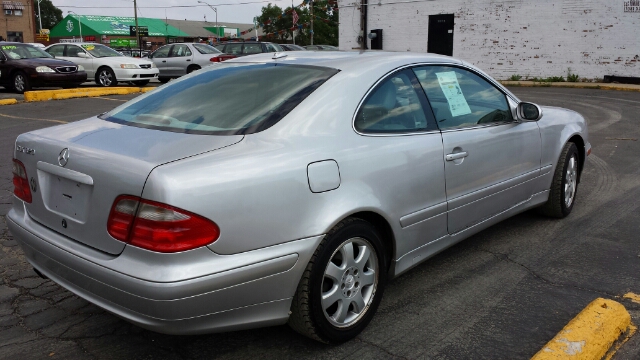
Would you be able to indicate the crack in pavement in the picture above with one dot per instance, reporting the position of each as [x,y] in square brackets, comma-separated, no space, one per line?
[506,257]
[380,348]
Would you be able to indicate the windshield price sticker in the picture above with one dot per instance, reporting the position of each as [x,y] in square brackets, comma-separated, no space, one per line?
[9,47]
[89,47]
[452,91]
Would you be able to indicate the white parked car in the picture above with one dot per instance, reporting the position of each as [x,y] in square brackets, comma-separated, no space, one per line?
[105,65]
[175,60]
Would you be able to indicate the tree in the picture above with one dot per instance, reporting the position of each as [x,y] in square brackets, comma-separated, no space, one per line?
[51,15]
[277,23]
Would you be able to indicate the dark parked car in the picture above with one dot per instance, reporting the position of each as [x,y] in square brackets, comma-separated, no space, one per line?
[25,66]
[248,48]
[321,47]
[291,47]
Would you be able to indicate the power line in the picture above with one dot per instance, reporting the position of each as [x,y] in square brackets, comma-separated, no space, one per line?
[166,7]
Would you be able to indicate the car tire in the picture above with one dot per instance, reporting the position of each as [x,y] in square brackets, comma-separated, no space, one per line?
[106,77]
[192,68]
[141,82]
[20,82]
[357,285]
[164,80]
[564,186]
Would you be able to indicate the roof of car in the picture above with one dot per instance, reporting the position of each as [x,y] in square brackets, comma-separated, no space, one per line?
[344,60]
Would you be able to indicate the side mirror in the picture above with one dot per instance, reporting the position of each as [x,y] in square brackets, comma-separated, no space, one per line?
[83,55]
[529,111]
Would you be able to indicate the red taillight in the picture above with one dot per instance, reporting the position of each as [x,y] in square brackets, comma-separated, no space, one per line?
[159,227]
[21,182]
[216,59]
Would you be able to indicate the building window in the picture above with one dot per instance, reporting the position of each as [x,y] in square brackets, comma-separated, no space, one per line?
[8,12]
[17,12]
[15,36]
[12,7]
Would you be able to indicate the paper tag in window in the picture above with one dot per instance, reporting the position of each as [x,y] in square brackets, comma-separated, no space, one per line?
[452,91]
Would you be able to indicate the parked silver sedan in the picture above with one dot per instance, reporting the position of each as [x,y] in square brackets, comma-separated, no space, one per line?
[175,60]
[283,188]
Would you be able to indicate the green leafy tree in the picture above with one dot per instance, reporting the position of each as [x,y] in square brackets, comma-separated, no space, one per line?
[51,15]
[278,23]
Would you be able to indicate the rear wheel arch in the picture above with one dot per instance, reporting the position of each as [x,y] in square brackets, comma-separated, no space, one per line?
[383,228]
[192,68]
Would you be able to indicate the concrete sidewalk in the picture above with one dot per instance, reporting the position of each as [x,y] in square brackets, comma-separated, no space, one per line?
[574,85]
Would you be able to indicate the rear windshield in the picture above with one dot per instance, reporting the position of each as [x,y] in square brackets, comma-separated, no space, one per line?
[206,49]
[224,99]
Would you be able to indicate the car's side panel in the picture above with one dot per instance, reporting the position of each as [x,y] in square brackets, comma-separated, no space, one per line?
[496,154]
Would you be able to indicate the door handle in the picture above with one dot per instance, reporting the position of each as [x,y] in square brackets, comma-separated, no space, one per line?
[456,156]
[188,59]
[164,60]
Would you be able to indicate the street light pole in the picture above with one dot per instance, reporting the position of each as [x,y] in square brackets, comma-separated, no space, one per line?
[39,14]
[216,11]
[79,23]
[135,14]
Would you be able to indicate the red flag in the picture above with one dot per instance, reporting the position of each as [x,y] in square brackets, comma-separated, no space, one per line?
[295,17]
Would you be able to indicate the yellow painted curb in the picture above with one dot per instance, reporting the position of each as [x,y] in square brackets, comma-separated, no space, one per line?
[147,89]
[8,101]
[590,334]
[44,95]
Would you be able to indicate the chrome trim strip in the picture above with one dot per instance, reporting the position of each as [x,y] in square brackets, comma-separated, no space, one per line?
[65,173]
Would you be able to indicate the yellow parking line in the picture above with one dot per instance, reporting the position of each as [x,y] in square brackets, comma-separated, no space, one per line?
[26,118]
[633,297]
[590,334]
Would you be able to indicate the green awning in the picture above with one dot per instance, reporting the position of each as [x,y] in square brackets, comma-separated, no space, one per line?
[111,25]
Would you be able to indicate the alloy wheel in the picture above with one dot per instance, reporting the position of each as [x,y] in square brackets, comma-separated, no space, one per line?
[19,83]
[350,281]
[105,78]
[570,181]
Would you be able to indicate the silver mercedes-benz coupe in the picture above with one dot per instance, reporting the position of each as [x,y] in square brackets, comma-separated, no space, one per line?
[284,187]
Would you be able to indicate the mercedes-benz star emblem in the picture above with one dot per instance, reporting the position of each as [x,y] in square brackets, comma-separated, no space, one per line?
[63,158]
[34,187]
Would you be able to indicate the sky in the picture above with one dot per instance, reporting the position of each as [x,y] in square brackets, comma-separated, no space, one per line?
[234,11]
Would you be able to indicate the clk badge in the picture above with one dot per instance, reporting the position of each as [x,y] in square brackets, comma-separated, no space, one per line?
[63,158]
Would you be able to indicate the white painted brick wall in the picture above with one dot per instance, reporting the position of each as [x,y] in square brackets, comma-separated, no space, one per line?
[503,37]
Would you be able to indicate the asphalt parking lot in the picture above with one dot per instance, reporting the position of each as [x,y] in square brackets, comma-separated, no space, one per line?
[501,294]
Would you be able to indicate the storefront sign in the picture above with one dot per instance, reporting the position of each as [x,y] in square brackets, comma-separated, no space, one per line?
[122,43]
[632,6]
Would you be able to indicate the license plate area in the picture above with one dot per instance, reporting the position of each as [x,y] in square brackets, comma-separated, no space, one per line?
[65,197]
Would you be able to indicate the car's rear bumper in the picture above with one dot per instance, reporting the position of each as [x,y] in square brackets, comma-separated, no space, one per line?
[55,79]
[192,292]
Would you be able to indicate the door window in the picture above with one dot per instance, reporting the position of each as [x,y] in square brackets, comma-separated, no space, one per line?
[57,50]
[163,52]
[394,106]
[233,49]
[73,51]
[460,98]
[180,51]
[252,49]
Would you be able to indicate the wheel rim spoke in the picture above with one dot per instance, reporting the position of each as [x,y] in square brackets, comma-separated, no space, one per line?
[358,303]
[570,181]
[363,257]
[367,278]
[330,297]
[334,272]
[343,310]
[347,254]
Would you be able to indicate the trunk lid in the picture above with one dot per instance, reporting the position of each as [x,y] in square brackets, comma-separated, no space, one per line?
[104,160]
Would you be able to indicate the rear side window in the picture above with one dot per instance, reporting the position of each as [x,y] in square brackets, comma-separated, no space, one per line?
[233,49]
[225,99]
[394,106]
[57,50]
[206,49]
[252,49]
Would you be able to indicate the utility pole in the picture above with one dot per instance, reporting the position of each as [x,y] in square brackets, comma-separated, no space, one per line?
[135,14]
[215,10]
[39,14]
[311,4]
[293,32]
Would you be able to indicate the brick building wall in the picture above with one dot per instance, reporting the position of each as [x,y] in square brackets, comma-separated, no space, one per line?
[503,37]
[10,24]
